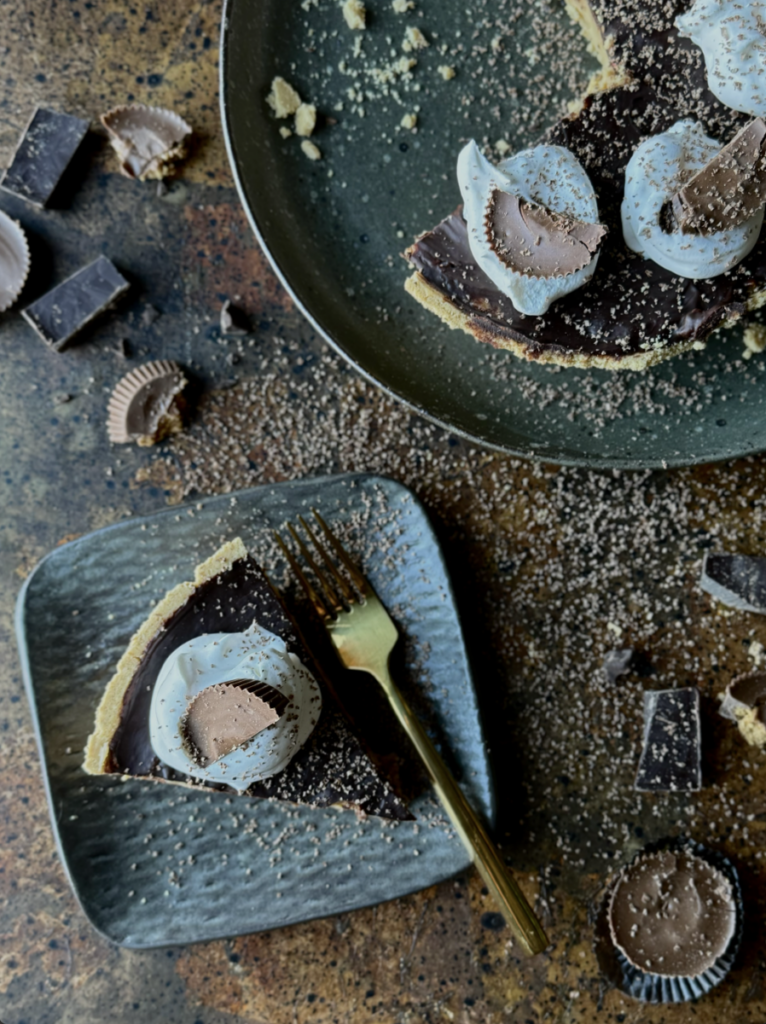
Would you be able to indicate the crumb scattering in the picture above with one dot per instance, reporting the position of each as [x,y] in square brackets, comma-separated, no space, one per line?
[312,151]
[283,99]
[305,119]
[355,15]
[414,40]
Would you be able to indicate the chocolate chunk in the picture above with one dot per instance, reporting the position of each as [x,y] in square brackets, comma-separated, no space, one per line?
[729,189]
[233,320]
[670,760]
[617,663]
[538,242]
[223,717]
[738,581]
[43,154]
[59,314]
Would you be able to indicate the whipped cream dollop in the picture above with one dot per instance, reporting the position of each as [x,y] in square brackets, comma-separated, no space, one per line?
[544,176]
[732,37]
[655,173]
[216,658]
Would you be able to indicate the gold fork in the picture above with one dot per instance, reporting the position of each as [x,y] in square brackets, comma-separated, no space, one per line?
[364,636]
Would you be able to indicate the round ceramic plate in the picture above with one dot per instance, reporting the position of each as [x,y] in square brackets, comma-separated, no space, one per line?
[334,228]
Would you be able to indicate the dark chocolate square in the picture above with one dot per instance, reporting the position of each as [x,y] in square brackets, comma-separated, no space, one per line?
[670,760]
[59,314]
[43,154]
[736,580]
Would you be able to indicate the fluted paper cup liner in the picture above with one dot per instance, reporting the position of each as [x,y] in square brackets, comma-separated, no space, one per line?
[147,140]
[142,399]
[14,261]
[656,988]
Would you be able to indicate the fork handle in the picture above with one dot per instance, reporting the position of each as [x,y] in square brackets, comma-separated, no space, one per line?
[489,864]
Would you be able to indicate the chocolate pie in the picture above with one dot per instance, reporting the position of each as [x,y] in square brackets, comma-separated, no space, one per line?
[231,602]
[632,313]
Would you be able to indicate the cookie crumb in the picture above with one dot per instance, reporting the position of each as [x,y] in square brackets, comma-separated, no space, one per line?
[305,119]
[285,132]
[754,338]
[409,121]
[446,72]
[503,147]
[283,99]
[312,151]
[355,14]
[402,6]
[414,40]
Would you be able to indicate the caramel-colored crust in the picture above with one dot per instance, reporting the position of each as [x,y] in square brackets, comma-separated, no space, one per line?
[610,76]
[110,708]
[435,301]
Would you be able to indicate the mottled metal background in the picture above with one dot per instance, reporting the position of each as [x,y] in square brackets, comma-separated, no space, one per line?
[440,955]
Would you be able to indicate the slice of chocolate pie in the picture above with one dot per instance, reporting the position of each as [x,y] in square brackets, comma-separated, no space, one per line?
[632,313]
[215,690]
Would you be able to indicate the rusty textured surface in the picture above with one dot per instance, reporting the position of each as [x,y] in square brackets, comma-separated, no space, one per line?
[438,955]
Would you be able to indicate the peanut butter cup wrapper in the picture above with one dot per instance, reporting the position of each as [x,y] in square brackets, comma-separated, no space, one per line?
[643,985]
[14,261]
[144,407]
[147,140]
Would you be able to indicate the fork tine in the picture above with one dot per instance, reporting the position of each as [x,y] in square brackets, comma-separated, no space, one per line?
[355,574]
[319,606]
[345,589]
[335,602]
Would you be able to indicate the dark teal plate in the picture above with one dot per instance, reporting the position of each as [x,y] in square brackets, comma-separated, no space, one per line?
[155,864]
[335,241]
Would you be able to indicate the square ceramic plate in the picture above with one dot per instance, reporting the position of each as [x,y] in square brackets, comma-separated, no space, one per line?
[155,864]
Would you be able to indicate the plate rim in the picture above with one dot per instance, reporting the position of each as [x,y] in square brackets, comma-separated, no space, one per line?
[20,618]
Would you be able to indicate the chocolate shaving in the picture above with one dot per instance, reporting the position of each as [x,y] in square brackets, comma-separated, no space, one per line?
[537,242]
[729,189]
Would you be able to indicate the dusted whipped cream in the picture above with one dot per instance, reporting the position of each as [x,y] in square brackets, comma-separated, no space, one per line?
[732,36]
[532,223]
[217,658]
[656,172]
